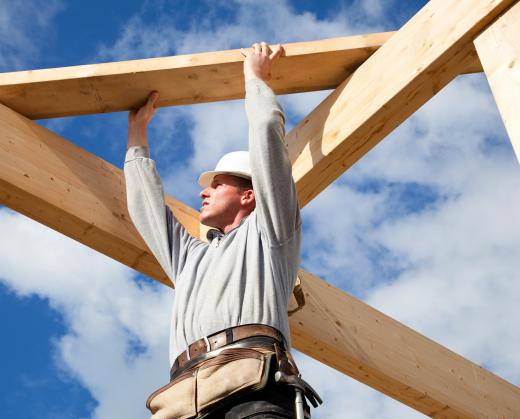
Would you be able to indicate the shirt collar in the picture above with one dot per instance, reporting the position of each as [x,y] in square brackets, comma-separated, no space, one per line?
[215,232]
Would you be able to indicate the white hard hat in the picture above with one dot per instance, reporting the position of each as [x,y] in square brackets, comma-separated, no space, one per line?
[235,163]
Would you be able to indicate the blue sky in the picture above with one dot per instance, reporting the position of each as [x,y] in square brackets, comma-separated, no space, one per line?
[425,226]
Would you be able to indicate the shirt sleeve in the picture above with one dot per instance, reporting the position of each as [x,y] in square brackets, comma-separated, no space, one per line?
[277,206]
[166,238]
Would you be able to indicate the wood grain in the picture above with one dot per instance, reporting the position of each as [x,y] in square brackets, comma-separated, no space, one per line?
[182,79]
[74,192]
[498,48]
[360,341]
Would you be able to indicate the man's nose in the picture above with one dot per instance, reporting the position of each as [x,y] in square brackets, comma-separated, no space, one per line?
[204,193]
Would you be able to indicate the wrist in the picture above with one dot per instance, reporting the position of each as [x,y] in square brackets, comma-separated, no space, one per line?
[250,75]
[137,137]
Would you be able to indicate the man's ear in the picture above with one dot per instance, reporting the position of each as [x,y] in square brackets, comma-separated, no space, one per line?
[248,197]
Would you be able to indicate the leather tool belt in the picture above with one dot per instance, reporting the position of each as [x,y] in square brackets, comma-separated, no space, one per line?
[204,348]
[221,366]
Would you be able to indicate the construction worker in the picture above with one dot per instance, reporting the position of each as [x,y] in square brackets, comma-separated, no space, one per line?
[229,346]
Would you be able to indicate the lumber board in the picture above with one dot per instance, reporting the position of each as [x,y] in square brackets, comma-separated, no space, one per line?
[82,196]
[182,79]
[498,48]
[360,341]
[59,184]
[418,60]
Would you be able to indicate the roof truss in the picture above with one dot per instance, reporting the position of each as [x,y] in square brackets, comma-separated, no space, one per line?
[72,191]
[82,196]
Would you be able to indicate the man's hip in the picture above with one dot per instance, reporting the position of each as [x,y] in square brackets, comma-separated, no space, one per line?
[228,367]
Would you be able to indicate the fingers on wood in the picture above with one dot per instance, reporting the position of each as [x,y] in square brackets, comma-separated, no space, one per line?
[276,52]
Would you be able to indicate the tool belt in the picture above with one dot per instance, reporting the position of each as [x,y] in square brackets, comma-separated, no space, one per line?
[226,365]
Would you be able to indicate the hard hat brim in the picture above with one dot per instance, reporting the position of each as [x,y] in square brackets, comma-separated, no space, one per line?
[206,178]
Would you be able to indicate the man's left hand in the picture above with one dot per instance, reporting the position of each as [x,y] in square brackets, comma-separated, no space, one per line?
[259,61]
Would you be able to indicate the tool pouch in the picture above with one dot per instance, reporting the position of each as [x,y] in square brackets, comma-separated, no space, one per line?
[287,374]
[196,390]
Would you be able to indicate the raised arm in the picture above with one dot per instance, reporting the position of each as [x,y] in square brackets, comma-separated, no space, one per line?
[164,235]
[276,201]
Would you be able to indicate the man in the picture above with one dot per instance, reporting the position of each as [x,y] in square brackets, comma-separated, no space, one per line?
[238,285]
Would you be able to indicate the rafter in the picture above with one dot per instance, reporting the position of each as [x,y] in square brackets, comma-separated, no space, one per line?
[183,79]
[72,191]
[349,335]
[498,48]
[419,60]
[82,196]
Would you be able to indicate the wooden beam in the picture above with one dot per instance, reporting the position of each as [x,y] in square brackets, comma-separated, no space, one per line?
[74,192]
[183,79]
[82,196]
[354,338]
[498,48]
[410,68]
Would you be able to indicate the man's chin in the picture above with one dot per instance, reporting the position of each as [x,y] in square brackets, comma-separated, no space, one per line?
[206,220]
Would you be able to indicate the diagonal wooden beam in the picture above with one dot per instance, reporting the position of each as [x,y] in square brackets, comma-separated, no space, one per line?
[419,60]
[499,50]
[183,79]
[82,196]
[57,183]
[354,338]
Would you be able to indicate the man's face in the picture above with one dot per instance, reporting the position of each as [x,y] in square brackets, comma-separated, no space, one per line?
[222,201]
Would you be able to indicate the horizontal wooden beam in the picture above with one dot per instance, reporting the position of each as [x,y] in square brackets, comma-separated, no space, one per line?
[410,68]
[82,196]
[498,48]
[182,79]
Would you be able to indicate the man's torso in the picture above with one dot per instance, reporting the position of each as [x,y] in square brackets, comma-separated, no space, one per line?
[236,279]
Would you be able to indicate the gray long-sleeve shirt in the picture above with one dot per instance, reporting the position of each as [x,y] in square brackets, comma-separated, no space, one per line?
[244,276]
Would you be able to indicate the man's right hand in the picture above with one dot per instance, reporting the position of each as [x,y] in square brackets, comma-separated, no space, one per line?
[138,121]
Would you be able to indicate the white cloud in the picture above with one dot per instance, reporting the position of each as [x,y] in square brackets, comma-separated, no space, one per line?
[139,40]
[338,250]
[270,21]
[455,259]
[23,27]
[462,288]
[106,313]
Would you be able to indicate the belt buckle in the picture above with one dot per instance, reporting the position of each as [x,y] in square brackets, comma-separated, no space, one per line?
[208,345]
[208,348]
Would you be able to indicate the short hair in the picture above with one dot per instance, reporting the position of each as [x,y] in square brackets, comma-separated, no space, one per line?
[244,184]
